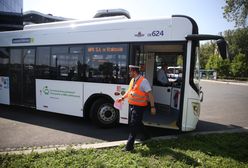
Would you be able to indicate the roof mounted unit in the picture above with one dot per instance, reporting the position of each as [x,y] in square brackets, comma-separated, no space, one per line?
[112,12]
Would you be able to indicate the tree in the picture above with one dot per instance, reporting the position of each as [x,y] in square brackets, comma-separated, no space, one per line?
[215,62]
[239,66]
[224,68]
[238,50]
[237,11]
[180,60]
[237,41]
[206,50]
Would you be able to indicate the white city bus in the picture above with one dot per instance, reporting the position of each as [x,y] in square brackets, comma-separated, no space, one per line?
[80,68]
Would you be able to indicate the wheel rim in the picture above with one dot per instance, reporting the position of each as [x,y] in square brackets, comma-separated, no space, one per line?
[107,114]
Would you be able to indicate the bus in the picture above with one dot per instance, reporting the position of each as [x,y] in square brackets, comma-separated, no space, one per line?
[80,68]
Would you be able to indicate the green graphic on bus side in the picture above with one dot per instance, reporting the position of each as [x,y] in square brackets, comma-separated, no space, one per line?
[58,92]
[45,90]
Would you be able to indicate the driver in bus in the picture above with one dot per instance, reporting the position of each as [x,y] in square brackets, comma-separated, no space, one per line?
[162,75]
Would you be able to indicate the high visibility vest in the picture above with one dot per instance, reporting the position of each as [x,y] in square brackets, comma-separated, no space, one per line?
[135,95]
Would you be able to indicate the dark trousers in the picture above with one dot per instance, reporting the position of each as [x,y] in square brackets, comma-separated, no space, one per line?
[136,124]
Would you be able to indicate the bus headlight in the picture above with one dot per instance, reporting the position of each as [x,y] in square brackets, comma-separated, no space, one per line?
[196,108]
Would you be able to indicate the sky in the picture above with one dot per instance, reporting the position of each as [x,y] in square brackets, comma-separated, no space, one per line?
[208,14]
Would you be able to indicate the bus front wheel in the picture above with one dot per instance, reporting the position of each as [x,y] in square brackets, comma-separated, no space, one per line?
[103,113]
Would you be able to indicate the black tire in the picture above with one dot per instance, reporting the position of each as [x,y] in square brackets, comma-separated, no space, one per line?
[103,113]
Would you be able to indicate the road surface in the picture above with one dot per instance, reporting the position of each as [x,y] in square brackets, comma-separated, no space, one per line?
[224,107]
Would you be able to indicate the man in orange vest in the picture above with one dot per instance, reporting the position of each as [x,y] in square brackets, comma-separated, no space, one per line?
[138,95]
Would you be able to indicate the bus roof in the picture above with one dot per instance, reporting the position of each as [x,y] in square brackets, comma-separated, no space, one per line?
[100,30]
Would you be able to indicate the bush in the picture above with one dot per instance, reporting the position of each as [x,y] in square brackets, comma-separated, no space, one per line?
[239,66]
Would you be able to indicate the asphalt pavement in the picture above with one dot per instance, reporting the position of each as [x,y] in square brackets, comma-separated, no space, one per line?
[224,107]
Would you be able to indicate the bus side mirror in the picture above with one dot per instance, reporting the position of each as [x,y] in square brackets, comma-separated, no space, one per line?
[222,46]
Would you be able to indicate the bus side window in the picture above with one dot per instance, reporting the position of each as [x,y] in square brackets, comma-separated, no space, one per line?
[43,62]
[4,61]
[75,63]
[107,63]
[67,63]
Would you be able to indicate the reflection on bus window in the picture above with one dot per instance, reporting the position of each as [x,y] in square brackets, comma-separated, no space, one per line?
[66,62]
[107,63]
[4,61]
[196,79]
[43,62]
[174,68]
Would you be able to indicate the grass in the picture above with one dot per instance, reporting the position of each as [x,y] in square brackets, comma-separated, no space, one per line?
[216,150]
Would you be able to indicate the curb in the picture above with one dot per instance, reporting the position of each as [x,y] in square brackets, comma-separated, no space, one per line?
[118,143]
[76,147]
[226,82]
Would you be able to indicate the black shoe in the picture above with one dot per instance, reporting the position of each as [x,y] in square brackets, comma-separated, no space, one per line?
[145,138]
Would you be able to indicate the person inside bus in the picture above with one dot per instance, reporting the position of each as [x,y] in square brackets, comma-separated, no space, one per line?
[162,75]
[138,95]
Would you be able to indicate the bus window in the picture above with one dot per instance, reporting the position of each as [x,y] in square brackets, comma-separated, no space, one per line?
[4,61]
[197,69]
[66,62]
[107,63]
[75,63]
[173,70]
[60,67]
[43,62]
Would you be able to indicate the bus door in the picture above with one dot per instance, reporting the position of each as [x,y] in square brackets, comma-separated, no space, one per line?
[22,76]
[29,76]
[162,95]
[151,58]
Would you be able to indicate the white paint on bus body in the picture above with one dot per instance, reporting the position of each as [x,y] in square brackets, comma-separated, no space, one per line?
[65,97]
[164,29]
[69,97]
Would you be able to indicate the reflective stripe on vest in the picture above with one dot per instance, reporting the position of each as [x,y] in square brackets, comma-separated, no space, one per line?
[135,95]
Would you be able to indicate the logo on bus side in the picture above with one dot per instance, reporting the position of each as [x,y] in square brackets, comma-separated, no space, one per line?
[45,90]
[139,34]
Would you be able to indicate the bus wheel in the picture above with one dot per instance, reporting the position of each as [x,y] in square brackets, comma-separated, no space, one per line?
[103,113]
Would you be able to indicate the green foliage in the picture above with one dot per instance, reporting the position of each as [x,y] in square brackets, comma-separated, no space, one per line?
[239,66]
[237,11]
[214,62]
[216,150]
[224,68]
[180,60]
[206,50]
[237,41]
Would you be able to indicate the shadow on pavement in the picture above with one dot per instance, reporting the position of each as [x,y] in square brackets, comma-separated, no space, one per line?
[80,126]
[211,126]
[66,123]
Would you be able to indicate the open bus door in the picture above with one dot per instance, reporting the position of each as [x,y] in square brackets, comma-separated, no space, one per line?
[167,98]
